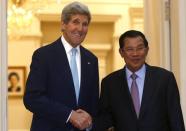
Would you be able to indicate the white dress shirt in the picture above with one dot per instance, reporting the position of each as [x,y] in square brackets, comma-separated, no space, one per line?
[68,48]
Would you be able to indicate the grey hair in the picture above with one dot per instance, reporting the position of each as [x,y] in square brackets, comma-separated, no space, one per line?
[73,9]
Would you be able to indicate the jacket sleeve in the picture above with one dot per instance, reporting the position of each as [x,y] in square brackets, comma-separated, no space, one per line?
[104,118]
[174,107]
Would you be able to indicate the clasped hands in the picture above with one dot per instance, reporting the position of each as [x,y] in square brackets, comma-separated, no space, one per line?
[80,119]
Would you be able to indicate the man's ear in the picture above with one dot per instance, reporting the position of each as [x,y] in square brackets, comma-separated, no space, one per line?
[121,52]
[147,50]
[62,26]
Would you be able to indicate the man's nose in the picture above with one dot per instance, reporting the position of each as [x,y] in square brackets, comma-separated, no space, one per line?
[80,27]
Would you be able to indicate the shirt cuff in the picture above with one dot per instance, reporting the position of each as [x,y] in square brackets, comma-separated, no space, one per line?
[89,128]
[69,117]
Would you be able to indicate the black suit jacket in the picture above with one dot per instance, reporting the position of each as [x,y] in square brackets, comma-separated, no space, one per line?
[160,108]
[50,92]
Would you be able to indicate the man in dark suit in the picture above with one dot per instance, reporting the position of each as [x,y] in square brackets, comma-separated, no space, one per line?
[148,102]
[62,89]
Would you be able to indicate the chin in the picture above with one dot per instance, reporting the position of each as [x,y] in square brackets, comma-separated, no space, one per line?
[138,67]
[78,42]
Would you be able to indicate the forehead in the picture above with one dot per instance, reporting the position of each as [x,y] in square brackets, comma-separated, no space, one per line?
[14,77]
[79,17]
[134,41]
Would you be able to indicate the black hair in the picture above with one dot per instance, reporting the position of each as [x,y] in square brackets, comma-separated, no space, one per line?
[131,34]
[13,74]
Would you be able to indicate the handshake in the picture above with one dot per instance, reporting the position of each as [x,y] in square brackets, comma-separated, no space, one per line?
[80,119]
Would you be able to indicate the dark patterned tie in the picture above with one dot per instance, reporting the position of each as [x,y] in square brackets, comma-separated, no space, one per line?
[135,94]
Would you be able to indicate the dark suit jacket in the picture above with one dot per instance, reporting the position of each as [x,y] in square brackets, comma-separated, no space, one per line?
[160,108]
[50,92]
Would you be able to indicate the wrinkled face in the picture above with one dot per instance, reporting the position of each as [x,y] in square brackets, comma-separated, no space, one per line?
[76,29]
[134,53]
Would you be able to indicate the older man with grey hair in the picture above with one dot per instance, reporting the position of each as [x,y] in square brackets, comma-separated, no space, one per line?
[62,88]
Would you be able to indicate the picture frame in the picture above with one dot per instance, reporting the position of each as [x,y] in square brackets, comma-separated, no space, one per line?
[16,80]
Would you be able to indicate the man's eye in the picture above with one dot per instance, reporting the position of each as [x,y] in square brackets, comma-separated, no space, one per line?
[140,48]
[76,22]
[129,49]
[85,24]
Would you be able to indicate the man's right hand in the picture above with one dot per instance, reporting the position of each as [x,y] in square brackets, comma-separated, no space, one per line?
[80,119]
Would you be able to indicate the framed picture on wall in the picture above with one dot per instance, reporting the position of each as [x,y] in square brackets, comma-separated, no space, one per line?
[16,80]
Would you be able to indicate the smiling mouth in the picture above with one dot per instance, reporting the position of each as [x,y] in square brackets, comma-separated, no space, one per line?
[136,60]
[77,35]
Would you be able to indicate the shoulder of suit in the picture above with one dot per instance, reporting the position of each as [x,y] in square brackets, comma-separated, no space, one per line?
[158,69]
[114,74]
[48,48]
[87,52]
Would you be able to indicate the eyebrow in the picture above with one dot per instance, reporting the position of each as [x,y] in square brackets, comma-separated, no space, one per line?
[140,45]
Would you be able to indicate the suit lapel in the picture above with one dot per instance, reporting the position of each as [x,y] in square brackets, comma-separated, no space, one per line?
[64,61]
[126,93]
[84,73]
[65,67]
[148,90]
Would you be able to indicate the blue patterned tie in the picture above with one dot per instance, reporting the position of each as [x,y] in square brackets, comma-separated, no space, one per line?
[74,71]
[135,94]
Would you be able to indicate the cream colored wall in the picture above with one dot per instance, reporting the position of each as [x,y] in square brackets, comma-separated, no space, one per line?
[171,49]
[178,26]
[20,50]
[20,53]
[151,23]
[110,19]
[175,40]
[48,28]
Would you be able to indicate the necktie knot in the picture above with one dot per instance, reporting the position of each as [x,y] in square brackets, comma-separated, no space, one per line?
[73,51]
[133,76]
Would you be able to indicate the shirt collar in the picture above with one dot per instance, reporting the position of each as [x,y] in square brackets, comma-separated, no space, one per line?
[140,73]
[67,46]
